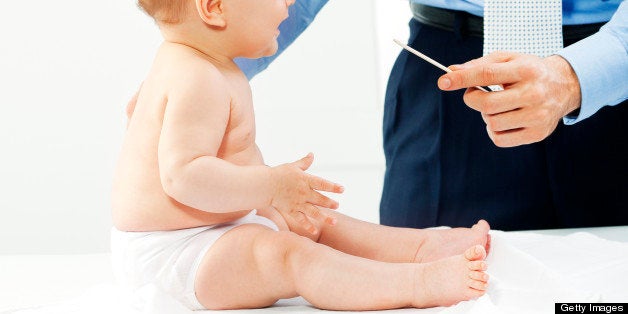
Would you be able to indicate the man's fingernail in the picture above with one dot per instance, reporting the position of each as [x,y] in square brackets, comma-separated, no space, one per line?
[444,83]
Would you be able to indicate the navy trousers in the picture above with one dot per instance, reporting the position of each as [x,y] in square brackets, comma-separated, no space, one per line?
[442,168]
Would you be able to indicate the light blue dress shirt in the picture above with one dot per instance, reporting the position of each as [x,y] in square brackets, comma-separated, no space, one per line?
[600,61]
[601,64]
[574,11]
[301,15]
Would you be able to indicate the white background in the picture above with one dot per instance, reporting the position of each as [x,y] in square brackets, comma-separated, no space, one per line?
[67,69]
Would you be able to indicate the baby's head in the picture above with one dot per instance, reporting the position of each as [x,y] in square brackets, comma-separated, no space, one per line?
[241,28]
[166,11]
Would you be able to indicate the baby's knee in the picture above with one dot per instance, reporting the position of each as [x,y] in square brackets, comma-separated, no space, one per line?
[284,249]
[279,244]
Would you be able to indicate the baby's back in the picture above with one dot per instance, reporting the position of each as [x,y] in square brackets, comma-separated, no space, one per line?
[139,202]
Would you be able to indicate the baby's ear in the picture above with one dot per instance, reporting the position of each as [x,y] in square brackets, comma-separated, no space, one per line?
[211,12]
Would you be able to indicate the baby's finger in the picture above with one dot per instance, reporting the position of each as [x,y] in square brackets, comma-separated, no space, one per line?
[305,223]
[316,213]
[312,211]
[305,162]
[321,200]
[318,183]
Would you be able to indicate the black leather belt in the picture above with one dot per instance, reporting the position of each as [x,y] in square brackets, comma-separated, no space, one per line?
[474,25]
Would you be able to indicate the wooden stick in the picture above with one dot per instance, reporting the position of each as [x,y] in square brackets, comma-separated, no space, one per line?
[430,60]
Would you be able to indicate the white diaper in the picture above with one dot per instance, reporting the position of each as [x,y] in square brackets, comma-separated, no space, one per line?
[168,260]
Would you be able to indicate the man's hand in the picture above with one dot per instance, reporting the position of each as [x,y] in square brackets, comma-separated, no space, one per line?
[537,93]
[296,195]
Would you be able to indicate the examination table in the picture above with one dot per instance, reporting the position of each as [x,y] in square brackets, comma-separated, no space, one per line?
[530,271]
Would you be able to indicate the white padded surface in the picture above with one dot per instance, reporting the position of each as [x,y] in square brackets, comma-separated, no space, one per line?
[581,266]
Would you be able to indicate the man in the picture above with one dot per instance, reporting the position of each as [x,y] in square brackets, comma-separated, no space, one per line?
[443,169]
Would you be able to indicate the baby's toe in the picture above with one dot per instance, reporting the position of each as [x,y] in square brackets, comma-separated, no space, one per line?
[481,225]
[474,293]
[479,276]
[477,265]
[477,285]
[474,253]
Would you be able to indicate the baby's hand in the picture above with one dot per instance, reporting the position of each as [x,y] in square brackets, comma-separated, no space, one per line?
[295,194]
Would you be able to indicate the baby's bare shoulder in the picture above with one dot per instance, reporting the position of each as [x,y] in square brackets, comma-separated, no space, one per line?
[183,67]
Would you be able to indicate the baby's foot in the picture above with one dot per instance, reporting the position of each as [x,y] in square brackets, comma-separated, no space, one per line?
[442,243]
[448,281]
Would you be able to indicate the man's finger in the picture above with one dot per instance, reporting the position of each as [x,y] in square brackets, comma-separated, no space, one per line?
[483,75]
[514,119]
[514,137]
[494,57]
[492,103]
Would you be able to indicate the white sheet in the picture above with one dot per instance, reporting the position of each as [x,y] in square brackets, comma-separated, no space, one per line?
[529,273]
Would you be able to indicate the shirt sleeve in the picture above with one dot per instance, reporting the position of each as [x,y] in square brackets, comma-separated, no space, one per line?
[301,15]
[601,65]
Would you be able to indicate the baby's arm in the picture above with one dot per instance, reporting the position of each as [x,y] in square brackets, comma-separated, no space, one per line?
[194,124]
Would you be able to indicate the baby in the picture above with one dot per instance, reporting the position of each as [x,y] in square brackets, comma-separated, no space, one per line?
[199,215]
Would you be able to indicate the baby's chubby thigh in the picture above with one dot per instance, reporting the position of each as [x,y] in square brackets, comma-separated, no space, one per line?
[247,268]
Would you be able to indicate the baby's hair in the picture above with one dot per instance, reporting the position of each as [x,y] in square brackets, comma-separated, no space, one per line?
[164,11]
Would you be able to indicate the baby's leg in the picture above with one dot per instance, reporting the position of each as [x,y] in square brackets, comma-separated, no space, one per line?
[252,266]
[442,243]
[453,279]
